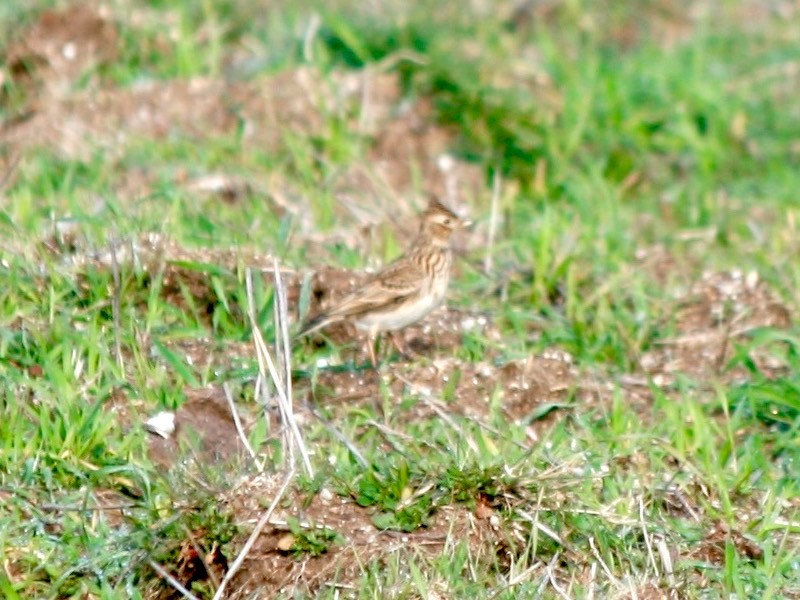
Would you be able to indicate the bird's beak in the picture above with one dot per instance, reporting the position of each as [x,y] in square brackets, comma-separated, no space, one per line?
[467,223]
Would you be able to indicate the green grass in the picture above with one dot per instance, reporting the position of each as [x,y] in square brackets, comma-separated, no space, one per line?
[606,149]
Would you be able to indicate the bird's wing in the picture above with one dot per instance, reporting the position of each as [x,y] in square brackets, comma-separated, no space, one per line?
[391,285]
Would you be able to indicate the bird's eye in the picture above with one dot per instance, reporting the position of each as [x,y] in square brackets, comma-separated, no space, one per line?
[447,221]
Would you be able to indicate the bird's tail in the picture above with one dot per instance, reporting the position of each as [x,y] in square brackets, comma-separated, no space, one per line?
[310,326]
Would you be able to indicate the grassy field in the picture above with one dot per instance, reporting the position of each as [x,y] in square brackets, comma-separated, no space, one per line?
[608,407]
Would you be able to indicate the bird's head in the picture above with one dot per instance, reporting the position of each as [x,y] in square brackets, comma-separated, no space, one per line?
[439,223]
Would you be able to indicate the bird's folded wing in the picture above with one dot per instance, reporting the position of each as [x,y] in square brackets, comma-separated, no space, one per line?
[393,285]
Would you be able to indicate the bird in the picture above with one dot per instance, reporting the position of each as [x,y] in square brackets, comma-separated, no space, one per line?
[405,290]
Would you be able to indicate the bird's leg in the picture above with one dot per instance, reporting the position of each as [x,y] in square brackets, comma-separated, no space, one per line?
[400,345]
[373,339]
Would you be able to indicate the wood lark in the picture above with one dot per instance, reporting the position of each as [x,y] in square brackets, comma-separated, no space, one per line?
[404,291]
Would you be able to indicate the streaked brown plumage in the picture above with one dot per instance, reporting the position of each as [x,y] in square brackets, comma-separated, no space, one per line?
[407,289]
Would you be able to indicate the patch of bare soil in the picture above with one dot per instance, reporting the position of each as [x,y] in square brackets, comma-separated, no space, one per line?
[657,262]
[526,391]
[51,55]
[717,313]
[272,568]
[407,145]
[712,548]
[664,22]
[107,119]
[649,591]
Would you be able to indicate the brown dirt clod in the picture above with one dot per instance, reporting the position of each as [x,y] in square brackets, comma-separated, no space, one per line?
[205,418]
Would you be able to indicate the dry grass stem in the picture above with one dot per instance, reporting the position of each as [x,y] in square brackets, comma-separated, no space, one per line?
[488,261]
[351,447]
[10,168]
[204,557]
[602,563]
[551,576]
[647,536]
[239,429]
[536,523]
[293,439]
[436,407]
[666,560]
[262,522]
[164,574]
[310,34]
[116,303]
